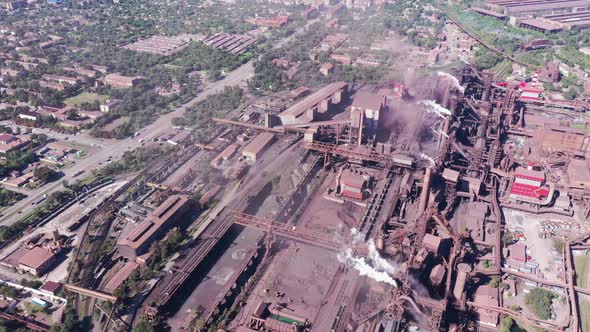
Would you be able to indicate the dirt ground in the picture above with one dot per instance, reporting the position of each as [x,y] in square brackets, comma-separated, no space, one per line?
[328,217]
[304,273]
[541,250]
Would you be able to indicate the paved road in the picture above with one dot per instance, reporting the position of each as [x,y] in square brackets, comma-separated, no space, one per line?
[116,148]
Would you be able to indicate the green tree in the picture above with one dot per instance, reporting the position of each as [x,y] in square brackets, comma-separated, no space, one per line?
[506,324]
[539,301]
[43,173]
[507,238]
[495,282]
[143,326]
[570,94]
[486,59]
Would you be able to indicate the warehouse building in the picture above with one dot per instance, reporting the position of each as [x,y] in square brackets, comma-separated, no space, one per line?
[36,261]
[256,148]
[137,241]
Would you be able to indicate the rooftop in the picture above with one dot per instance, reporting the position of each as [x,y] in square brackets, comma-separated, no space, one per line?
[36,258]
[51,286]
[367,100]
[146,229]
[314,99]
[525,173]
[579,171]
[526,190]
[259,143]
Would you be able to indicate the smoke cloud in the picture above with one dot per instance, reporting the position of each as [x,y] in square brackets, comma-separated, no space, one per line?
[434,108]
[374,266]
[427,157]
[453,79]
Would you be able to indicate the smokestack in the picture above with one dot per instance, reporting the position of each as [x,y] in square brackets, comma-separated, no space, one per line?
[425,190]
[361,126]
[443,134]
[56,235]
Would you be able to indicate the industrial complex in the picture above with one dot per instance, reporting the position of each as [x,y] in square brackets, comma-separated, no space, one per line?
[297,167]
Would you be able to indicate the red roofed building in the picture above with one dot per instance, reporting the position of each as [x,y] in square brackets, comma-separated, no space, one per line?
[282,63]
[519,189]
[528,183]
[352,185]
[518,252]
[6,139]
[530,93]
[36,261]
[51,287]
[299,92]
[529,177]
[326,69]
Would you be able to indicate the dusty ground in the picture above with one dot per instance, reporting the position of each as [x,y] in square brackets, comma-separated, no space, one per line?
[541,250]
[328,217]
[216,279]
[303,273]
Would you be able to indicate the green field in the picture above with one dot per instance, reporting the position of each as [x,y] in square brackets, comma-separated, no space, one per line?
[85,97]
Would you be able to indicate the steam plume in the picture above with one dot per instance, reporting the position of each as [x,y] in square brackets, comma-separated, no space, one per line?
[453,79]
[427,157]
[433,107]
[375,267]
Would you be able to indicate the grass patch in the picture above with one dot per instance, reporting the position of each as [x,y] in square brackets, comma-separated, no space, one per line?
[585,304]
[581,270]
[503,69]
[85,97]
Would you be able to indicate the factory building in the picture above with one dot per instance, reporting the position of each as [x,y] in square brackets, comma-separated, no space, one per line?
[486,295]
[256,148]
[520,8]
[137,242]
[366,111]
[352,185]
[578,172]
[528,183]
[309,108]
[36,261]
[432,243]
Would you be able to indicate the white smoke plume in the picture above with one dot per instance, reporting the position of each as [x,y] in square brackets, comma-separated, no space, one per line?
[427,157]
[434,108]
[380,263]
[375,267]
[357,236]
[453,79]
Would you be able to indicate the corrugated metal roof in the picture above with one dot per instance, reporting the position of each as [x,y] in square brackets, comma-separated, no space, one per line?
[366,100]
[526,190]
[36,257]
[529,174]
[313,99]
[259,143]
